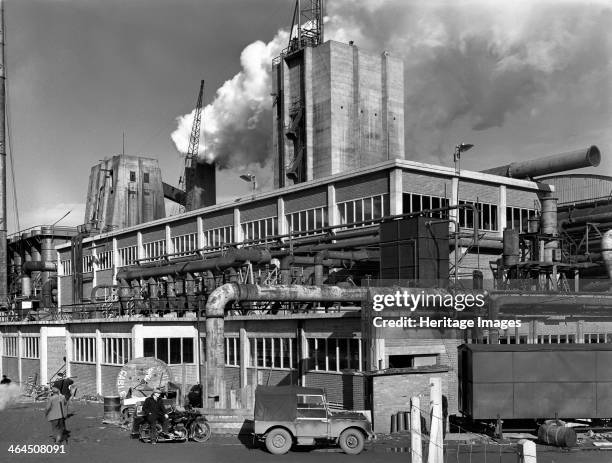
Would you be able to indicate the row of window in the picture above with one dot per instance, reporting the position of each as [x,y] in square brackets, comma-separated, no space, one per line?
[185,244]
[31,346]
[87,264]
[84,349]
[170,350]
[273,353]
[105,260]
[588,338]
[215,239]
[259,231]
[308,221]
[418,203]
[116,351]
[65,267]
[335,354]
[518,218]
[10,346]
[153,250]
[363,209]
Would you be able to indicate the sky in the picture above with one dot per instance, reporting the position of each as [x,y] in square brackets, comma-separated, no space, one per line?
[519,80]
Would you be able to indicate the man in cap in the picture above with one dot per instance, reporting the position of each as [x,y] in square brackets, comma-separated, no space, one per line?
[55,412]
[154,411]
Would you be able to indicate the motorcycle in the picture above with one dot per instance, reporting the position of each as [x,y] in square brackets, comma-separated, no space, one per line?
[185,425]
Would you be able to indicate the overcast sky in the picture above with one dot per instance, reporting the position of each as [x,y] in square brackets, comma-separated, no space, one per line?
[517,79]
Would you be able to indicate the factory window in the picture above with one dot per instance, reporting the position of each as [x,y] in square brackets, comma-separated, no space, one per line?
[31,347]
[259,231]
[307,222]
[518,218]
[275,352]
[487,214]
[556,339]
[185,245]
[363,210]
[145,177]
[335,354]
[65,267]
[215,239]
[170,350]
[411,361]
[154,250]
[597,338]
[10,346]
[116,351]
[132,176]
[105,260]
[87,264]
[84,349]
[417,203]
[232,352]
[128,256]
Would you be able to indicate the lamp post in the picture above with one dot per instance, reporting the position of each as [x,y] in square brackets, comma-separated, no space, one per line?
[248,177]
[460,148]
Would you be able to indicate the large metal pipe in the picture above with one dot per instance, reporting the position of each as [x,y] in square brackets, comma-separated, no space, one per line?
[606,252]
[39,266]
[589,157]
[593,218]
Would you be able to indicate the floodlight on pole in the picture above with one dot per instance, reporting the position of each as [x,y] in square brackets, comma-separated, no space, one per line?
[250,178]
[460,148]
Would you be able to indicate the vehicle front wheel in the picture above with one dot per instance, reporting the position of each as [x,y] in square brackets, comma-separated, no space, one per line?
[352,441]
[200,431]
[278,441]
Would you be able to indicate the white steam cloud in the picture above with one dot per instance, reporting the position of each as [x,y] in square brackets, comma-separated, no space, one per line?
[9,393]
[237,125]
[466,62]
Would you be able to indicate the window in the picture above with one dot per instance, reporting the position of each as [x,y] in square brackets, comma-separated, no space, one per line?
[127,256]
[154,250]
[145,177]
[311,407]
[65,267]
[232,352]
[105,260]
[116,351]
[273,353]
[518,218]
[307,222]
[409,361]
[417,203]
[215,239]
[185,244]
[595,338]
[87,264]
[31,347]
[364,209]
[10,346]
[259,231]
[487,216]
[169,350]
[335,354]
[84,349]
[132,176]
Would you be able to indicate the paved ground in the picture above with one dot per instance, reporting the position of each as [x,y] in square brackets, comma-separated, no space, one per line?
[91,441]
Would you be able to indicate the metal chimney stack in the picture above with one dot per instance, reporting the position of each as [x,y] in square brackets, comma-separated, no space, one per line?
[3,244]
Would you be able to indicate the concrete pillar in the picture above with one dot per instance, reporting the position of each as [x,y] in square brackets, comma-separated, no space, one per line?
[19,356]
[115,267]
[332,210]
[137,343]
[282,220]
[42,352]
[244,357]
[396,192]
[436,437]
[98,354]
[304,358]
[237,226]
[416,448]
[59,280]
[94,264]
[200,243]
[1,352]
[454,200]
[140,252]
[501,211]
[68,352]
[169,244]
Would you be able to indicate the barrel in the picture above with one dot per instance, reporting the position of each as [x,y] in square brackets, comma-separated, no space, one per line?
[112,408]
[401,424]
[552,433]
[393,423]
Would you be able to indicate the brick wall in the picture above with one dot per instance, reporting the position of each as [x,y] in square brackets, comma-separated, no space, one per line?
[347,389]
[109,380]
[86,377]
[30,367]
[392,393]
[10,368]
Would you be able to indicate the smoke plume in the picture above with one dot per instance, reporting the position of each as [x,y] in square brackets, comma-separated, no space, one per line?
[468,64]
[9,393]
[237,125]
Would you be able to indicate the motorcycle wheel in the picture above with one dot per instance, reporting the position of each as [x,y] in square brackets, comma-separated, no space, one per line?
[200,431]
[145,431]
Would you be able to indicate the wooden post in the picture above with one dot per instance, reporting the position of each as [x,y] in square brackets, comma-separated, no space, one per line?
[416,448]
[436,439]
[527,451]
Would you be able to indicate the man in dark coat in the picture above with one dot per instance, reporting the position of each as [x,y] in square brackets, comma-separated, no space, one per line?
[154,412]
[5,380]
[63,384]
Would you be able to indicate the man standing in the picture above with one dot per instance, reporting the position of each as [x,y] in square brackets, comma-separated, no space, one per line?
[154,411]
[5,380]
[63,384]
[55,412]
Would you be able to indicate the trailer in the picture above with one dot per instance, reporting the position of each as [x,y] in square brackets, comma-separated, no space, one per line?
[535,381]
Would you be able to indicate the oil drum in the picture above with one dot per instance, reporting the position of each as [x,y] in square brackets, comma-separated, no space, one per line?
[553,433]
[112,408]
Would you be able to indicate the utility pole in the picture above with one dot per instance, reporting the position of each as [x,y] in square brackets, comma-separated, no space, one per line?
[3,246]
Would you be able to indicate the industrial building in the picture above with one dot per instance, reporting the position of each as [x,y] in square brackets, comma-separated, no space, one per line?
[302,258]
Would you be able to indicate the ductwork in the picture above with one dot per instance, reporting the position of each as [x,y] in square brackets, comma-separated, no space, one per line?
[39,266]
[606,252]
[589,157]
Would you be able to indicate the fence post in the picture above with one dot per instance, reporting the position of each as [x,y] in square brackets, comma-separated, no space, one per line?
[527,451]
[436,439]
[416,448]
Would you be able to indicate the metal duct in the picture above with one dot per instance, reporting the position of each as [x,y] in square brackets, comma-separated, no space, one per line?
[593,218]
[589,157]
[39,266]
[511,247]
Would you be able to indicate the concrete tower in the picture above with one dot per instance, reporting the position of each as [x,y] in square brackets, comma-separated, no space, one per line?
[336,108]
[124,191]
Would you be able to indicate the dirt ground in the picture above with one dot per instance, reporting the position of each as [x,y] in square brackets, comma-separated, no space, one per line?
[92,441]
